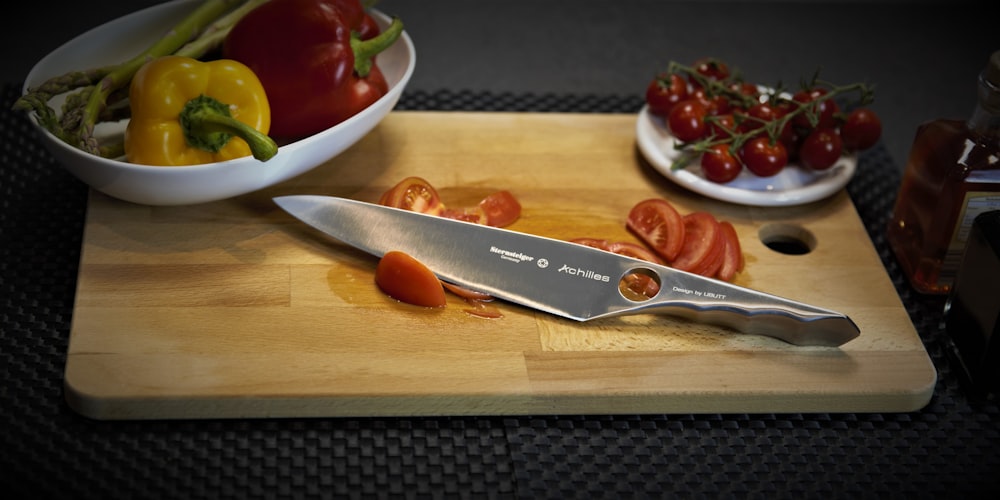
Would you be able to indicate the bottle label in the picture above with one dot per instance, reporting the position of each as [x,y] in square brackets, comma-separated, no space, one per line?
[976,202]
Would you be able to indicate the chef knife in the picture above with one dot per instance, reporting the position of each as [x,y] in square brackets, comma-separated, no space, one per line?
[562,278]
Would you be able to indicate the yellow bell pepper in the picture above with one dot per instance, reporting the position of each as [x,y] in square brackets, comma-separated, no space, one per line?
[188,112]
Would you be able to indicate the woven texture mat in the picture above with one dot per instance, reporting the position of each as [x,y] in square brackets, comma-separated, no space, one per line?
[951,448]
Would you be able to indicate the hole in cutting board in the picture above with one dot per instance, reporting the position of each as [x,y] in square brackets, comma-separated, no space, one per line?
[787,239]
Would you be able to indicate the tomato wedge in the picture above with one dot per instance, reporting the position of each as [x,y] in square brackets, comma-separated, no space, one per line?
[732,261]
[658,224]
[501,209]
[408,280]
[414,194]
[703,245]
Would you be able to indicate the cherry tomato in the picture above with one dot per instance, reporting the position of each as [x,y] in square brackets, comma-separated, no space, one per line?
[745,88]
[415,194]
[687,120]
[719,165]
[703,245]
[408,280]
[664,92]
[501,209]
[757,116]
[762,157]
[821,149]
[710,68]
[717,104]
[824,109]
[721,126]
[732,261]
[861,130]
[658,224]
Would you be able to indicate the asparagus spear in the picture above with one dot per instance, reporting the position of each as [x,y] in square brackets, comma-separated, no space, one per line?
[83,110]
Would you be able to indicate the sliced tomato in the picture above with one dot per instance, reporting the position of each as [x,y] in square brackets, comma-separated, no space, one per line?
[408,280]
[637,283]
[501,209]
[658,224]
[733,260]
[415,194]
[593,243]
[466,293]
[474,215]
[633,250]
[703,244]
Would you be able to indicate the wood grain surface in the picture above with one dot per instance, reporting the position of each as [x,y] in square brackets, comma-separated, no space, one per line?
[235,309]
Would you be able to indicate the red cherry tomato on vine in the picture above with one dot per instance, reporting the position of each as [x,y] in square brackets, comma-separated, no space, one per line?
[757,116]
[861,130]
[710,68]
[821,149]
[719,165]
[714,105]
[721,126]
[824,109]
[658,224]
[762,157]
[664,92]
[687,120]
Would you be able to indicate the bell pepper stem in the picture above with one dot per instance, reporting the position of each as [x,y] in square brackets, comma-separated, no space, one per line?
[366,50]
[208,125]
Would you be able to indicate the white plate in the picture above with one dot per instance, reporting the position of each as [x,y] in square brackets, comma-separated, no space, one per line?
[123,38]
[794,185]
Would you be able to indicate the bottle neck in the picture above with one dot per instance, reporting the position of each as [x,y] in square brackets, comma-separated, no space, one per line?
[985,119]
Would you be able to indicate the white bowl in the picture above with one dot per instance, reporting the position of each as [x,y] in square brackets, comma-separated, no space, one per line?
[119,40]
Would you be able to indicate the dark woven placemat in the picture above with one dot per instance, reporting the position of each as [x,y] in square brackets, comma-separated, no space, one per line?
[951,448]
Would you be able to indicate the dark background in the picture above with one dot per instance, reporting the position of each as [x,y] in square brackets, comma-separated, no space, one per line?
[923,57]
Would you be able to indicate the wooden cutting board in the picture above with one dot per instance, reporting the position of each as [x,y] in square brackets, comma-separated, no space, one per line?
[235,309]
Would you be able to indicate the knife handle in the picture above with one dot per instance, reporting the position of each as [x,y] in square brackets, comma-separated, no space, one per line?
[716,302]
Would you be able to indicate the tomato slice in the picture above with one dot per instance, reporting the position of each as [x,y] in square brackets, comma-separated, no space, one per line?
[408,280]
[466,293]
[415,194]
[593,243]
[658,224]
[633,250]
[501,209]
[474,215]
[732,261]
[703,245]
[637,283]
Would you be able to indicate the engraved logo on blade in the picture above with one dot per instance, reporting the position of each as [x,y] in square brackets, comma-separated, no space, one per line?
[517,257]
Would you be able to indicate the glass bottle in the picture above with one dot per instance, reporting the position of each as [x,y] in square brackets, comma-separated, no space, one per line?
[952,175]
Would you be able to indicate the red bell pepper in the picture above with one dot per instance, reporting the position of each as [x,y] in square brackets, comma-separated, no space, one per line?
[315,59]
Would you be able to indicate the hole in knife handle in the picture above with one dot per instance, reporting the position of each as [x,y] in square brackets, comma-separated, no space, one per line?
[787,239]
[639,284]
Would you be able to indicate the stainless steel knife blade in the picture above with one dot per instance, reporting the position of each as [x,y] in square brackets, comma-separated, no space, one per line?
[562,278]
